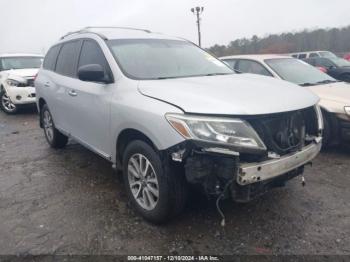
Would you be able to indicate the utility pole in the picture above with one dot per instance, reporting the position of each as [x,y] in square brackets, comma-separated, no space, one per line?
[197,11]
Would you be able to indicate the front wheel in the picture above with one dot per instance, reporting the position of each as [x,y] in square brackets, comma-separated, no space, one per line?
[54,137]
[6,104]
[155,190]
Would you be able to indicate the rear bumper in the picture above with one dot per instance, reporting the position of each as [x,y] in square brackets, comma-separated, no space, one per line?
[21,95]
[255,172]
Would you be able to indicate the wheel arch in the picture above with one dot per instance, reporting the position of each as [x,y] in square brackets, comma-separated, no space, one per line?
[125,137]
[41,103]
[2,88]
[332,121]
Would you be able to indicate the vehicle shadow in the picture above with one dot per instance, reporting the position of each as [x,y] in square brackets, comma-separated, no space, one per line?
[25,110]
[198,206]
[343,149]
[100,195]
[28,110]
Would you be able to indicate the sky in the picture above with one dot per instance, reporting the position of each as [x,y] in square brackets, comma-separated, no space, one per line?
[34,25]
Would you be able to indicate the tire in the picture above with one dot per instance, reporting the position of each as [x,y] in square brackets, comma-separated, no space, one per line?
[169,185]
[327,133]
[6,105]
[54,137]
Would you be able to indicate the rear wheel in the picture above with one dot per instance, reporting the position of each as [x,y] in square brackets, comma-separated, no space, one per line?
[155,190]
[6,104]
[54,137]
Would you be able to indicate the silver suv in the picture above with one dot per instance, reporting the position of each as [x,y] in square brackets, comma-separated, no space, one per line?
[170,115]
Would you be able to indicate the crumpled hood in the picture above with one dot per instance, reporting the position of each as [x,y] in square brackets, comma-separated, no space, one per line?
[237,94]
[20,74]
[338,92]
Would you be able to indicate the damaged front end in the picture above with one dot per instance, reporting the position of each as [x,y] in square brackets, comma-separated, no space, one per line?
[276,149]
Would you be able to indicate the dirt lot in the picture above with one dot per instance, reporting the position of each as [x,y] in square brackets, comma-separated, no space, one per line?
[70,201]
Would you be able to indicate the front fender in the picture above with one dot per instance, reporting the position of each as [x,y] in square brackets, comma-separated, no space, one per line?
[146,117]
[332,106]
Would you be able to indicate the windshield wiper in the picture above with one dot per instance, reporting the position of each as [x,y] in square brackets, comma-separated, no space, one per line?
[218,74]
[166,77]
[172,77]
[327,81]
[308,84]
[319,83]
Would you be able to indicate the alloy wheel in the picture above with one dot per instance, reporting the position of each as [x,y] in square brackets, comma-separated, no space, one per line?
[48,125]
[143,181]
[7,103]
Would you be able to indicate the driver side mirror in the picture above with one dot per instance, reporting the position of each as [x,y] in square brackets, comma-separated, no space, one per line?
[92,73]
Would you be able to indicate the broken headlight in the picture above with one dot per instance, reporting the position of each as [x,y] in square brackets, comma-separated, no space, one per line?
[12,82]
[230,131]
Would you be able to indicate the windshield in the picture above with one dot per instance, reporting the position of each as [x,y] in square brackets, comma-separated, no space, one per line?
[298,72]
[8,63]
[161,58]
[327,54]
[340,61]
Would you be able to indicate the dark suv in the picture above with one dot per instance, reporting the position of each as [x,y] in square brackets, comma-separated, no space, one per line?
[336,67]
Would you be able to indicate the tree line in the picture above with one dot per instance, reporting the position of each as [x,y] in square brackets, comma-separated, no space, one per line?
[336,40]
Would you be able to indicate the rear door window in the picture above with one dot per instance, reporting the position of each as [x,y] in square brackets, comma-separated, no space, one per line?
[67,59]
[302,56]
[51,57]
[248,66]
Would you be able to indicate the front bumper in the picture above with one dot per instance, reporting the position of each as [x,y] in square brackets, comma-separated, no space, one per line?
[250,173]
[21,95]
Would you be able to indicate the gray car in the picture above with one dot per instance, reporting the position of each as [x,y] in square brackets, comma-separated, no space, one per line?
[170,115]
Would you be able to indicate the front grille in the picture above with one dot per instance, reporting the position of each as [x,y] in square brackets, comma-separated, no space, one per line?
[284,133]
[30,82]
[25,84]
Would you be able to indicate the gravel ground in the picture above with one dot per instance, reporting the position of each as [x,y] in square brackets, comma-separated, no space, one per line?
[70,201]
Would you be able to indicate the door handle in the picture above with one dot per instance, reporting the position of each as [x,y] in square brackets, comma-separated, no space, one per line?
[47,84]
[72,93]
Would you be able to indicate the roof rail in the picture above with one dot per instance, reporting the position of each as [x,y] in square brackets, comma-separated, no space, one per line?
[119,27]
[81,31]
[88,30]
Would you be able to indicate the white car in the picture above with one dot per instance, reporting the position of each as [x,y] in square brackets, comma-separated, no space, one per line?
[335,95]
[17,73]
[310,54]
